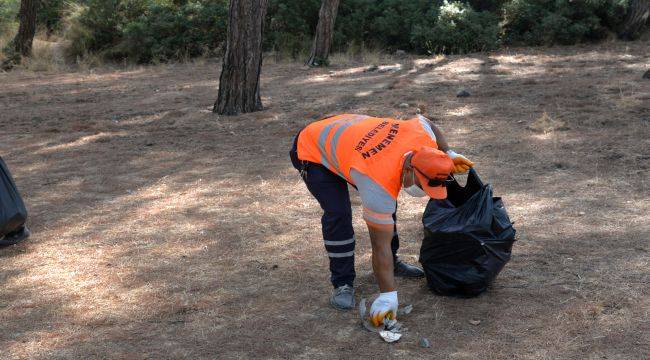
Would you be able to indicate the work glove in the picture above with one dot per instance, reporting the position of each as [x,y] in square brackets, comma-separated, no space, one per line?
[461,163]
[384,306]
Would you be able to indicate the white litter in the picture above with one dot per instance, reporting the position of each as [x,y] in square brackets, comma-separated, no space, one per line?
[389,336]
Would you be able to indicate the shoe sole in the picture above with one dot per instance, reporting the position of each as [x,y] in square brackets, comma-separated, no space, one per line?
[340,308]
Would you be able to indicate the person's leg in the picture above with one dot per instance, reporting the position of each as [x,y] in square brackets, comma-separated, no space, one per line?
[394,244]
[332,194]
[402,269]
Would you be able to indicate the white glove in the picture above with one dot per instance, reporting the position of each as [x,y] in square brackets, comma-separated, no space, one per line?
[384,306]
[461,163]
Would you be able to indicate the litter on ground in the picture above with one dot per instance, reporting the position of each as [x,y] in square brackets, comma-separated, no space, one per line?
[391,330]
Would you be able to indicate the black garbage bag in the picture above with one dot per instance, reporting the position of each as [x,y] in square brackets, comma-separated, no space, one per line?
[12,210]
[468,239]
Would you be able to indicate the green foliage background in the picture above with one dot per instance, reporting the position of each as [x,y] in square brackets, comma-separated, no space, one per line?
[8,11]
[161,30]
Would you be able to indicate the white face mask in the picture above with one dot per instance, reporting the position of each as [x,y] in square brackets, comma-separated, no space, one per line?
[413,190]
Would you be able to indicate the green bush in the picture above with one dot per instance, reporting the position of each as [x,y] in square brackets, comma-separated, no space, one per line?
[458,29]
[145,31]
[161,30]
[290,26]
[395,22]
[93,27]
[8,11]
[486,5]
[546,22]
[167,32]
[383,24]
[49,15]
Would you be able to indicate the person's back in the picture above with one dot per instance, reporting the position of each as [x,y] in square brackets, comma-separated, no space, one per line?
[361,148]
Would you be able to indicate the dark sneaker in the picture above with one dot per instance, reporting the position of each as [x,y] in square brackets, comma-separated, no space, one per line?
[403,269]
[343,298]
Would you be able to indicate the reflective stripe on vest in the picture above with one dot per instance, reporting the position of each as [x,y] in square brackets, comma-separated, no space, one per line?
[329,158]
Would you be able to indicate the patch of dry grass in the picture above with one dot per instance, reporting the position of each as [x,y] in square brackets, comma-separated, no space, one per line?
[366,56]
[46,56]
[546,124]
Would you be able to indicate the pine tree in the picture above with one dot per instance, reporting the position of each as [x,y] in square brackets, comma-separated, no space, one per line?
[239,83]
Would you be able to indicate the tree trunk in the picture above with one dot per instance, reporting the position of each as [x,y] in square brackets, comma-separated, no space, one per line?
[637,15]
[239,83]
[25,37]
[320,49]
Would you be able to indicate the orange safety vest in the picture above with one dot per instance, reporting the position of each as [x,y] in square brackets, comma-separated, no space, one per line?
[372,146]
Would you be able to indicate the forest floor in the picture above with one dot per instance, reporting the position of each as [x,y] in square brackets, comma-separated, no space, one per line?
[161,230]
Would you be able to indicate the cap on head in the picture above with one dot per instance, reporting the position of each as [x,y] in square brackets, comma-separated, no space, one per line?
[432,167]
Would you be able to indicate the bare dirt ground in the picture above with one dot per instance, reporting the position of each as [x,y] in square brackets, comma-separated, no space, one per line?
[161,230]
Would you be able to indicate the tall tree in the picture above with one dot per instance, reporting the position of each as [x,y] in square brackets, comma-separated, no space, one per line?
[320,49]
[22,43]
[637,15]
[239,83]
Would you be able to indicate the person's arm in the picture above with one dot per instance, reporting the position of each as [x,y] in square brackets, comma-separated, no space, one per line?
[382,256]
[461,163]
[378,209]
[440,138]
[385,305]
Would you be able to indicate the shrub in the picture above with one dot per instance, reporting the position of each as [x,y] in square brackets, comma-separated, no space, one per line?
[8,11]
[161,30]
[380,24]
[167,32]
[396,21]
[145,31]
[290,26]
[486,5]
[49,15]
[92,27]
[458,29]
[545,22]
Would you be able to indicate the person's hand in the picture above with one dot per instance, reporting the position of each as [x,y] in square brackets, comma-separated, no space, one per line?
[385,306]
[461,163]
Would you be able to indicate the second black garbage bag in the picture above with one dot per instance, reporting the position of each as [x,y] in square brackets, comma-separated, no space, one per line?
[468,239]
[12,210]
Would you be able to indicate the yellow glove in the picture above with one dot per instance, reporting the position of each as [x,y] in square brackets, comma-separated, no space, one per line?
[461,163]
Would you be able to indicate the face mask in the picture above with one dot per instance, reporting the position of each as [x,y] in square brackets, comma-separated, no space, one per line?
[414,190]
